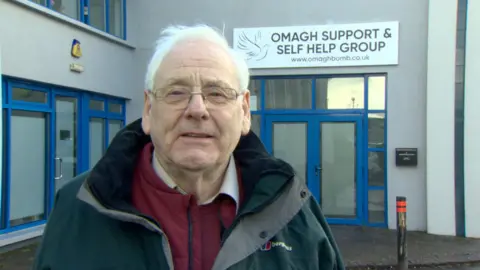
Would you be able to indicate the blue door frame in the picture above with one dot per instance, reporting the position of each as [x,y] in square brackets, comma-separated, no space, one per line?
[314,154]
[48,107]
[53,142]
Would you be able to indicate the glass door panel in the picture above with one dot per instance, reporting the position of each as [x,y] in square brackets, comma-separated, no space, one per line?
[338,161]
[289,143]
[66,159]
[29,147]
[287,139]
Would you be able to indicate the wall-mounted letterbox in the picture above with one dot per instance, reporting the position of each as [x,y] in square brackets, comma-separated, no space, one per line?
[406,157]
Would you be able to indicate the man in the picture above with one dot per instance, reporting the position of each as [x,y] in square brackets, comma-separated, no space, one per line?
[188,186]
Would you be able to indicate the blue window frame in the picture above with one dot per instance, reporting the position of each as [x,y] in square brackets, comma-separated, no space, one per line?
[106,15]
[367,110]
[48,128]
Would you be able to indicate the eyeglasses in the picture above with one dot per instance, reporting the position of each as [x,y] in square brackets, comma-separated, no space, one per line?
[181,96]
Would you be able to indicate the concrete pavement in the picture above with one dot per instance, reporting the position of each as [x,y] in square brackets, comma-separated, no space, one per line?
[361,247]
[364,247]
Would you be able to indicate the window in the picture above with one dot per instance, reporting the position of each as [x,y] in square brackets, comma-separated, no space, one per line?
[319,97]
[97,140]
[71,130]
[288,94]
[106,118]
[105,15]
[70,8]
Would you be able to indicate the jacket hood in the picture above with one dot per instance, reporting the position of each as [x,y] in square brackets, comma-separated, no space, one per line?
[110,181]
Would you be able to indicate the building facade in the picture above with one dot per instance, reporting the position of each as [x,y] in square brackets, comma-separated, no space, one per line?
[368,100]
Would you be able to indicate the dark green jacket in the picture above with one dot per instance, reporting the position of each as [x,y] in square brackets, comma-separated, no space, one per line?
[94,225]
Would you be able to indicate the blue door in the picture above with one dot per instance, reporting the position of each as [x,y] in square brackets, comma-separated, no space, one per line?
[325,151]
[65,140]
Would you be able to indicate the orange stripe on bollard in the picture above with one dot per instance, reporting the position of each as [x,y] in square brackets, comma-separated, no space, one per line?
[400,203]
[401,209]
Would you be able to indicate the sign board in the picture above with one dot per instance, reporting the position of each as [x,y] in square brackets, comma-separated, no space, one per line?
[406,156]
[365,44]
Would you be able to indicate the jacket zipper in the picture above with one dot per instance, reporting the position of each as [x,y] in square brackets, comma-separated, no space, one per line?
[241,215]
[190,240]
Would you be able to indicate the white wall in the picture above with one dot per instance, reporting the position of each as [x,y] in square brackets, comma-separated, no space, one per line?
[442,25]
[472,122]
[36,45]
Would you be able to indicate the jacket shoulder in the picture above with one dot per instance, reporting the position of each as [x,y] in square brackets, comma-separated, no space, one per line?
[68,192]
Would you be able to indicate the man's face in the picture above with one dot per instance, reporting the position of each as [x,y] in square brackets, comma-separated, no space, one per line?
[200,134]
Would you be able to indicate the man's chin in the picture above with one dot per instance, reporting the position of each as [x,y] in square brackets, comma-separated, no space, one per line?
[196,161]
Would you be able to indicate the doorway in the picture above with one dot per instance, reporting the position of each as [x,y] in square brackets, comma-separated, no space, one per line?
[325,151]
[66,139]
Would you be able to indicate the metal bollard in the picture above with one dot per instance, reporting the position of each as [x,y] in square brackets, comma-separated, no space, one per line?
[402,263]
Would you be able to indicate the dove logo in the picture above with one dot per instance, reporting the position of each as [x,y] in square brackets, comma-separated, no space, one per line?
[253,46]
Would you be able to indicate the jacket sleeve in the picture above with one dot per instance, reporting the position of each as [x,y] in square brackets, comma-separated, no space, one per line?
[337,263]
[48,244]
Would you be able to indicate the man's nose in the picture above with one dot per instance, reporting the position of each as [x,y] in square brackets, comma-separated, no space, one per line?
[197,108]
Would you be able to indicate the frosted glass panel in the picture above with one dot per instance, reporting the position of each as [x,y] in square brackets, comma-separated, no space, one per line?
[97,140]
[338,169]
[340,93]
[288,94]
[115,11]
[290,144]
[65,140]
[28,175]
[114,126]
[67,7]
[97,14]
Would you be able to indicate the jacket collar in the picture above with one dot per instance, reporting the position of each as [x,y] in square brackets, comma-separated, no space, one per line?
[110,181]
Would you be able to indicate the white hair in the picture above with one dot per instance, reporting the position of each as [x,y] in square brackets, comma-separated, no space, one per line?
[171,35]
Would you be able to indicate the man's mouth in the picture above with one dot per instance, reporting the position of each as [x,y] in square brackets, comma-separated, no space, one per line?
[197,135]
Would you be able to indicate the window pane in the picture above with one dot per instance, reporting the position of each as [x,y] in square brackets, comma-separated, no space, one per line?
[96,105]
[461,39]
[28,166]
[376,130]
[338,152]
[376,206]
[461,19]
[97,140]
[339,93]
[292,151]
[114,107]
[114,126]
[376,93]
[376,169]
[254,87]
[256,124]
[288,94]
[459,74]
[40,2]
[97,14]
[115,17]
[66,112]
[66,7]
[28,95]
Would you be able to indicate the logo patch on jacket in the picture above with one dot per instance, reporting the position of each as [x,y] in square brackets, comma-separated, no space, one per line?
[273,244]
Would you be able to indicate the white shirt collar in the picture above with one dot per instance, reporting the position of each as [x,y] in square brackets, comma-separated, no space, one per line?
[229,186]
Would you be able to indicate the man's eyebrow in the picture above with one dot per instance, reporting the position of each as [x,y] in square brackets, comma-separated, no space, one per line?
[186,81]
[220,83]
[183,81]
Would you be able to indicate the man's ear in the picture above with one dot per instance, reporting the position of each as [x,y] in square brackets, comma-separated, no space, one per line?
[147,106]
[246,123]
